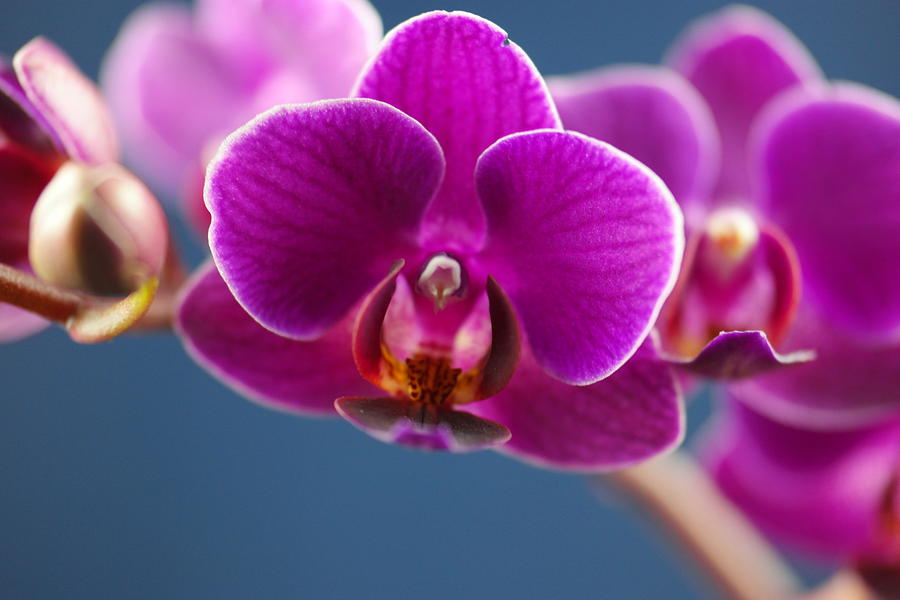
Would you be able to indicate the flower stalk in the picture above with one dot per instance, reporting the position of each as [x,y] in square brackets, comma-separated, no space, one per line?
[676,493]
[28,292]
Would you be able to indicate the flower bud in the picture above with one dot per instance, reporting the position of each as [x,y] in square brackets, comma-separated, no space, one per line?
[98,230]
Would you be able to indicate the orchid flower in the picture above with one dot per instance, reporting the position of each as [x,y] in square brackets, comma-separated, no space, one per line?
[792,215]
[179,81]
[404,234]
[834,495]
[691,125]
[71,215]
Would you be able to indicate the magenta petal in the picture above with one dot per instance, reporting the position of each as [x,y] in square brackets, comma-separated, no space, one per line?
[311,204]
[323,43]
[830,166]
[20,120]
[849,383]
[426,427]
[22,178]
[287,374]
[461,77]
[820,491]
[739,354]
[633,415]
[587,243]
[653,114]
[170,93]
[16,323]
[69,101]
[740,58]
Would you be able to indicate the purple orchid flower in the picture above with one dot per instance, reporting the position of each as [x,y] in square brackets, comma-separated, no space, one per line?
[179,82]
[57,140]
[797,158]
[351,232]
[832,494]
[691,125]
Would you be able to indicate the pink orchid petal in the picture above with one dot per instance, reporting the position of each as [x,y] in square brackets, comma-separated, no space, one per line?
[302,377]
[16,324]
[20,119]
[633,415]
[739,59]
[321,43]
[653,114]
[849,384]
[69,101]
[22,178]
[170,93]
[818,491]
[311,204]
[587,243]
[830,167]
[461,77]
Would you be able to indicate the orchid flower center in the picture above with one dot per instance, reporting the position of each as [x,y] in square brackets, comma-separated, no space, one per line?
[441,278]
[430,380]
[733,233]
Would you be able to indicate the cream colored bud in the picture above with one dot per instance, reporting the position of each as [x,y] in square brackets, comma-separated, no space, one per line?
[97,229]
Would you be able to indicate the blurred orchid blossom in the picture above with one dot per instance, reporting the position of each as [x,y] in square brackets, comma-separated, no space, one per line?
[70,213]
[806,197]
[316,207]
[832,494]
[179,81]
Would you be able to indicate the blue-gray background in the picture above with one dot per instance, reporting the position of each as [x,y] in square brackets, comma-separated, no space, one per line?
[127,472]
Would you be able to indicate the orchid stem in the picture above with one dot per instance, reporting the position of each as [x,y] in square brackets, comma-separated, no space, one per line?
[30,293]
[676,492]
[844,585]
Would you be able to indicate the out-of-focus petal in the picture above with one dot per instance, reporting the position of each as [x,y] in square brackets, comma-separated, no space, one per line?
[634,414]
[849,383]
[69,101]
[426,427]
[830,168]
[169,92]
[20,120]
[311,204]
[653,114]
[16,323]
[739,59]
[325,43]
[819,491]
[303,377]
[587,243]
[22,177]
[740,354]
[461,77]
